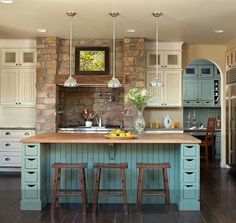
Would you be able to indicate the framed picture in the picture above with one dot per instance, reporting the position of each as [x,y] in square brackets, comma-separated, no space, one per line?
[92,60]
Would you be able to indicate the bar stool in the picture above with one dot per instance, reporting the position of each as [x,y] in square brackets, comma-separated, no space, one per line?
[110,192]
[152,192]
[57,192]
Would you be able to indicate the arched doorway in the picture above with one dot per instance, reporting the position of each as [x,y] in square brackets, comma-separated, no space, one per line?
[202,98]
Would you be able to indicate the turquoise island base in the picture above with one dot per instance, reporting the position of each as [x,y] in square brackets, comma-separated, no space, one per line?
[40,151]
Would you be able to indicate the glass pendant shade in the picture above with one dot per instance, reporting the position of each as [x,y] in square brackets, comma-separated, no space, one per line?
[157,82]
[114,82]
[70,81]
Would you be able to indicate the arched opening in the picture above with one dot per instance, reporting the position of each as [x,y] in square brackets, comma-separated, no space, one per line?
[202,99]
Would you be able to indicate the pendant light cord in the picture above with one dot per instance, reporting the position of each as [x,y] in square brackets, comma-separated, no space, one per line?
[157,46]
[70,44]
[114,48]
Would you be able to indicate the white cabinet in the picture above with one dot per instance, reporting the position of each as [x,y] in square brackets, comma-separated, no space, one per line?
[10,146]
[18,86]
[170,94]
[166,59]
[169,70]
[18,57]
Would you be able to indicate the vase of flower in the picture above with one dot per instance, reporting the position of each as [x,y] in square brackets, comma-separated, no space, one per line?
[139,122]
[139,98]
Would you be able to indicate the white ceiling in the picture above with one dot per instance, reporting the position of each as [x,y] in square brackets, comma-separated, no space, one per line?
[191,21]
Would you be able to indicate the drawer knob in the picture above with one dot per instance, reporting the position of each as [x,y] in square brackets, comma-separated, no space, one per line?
[7,133]
[7,144]
[26,134]
[7,159]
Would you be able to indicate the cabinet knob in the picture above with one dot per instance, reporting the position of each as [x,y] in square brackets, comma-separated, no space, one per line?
[19,103]
[16,103]
[7,144]
[26,134]
[7,159]
[7,133]
[17,64]
[20,64]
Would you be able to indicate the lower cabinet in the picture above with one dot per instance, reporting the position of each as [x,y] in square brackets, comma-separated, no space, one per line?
[10,146]
[190,177]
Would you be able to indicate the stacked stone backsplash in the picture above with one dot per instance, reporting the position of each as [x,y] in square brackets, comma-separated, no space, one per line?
[58,106]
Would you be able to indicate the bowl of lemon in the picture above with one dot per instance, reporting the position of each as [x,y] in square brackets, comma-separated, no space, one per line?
[120,134]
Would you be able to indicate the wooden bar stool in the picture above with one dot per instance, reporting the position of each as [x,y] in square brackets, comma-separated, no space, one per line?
[110,192]
[57,192]
[152,192]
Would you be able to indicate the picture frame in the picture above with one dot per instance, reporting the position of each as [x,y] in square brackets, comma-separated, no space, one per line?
[92,60]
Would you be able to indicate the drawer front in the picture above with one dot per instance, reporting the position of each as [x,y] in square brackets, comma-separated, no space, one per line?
[190,151]
[189,177]
[10,145]
[17,133]
[31,191]
[189,191]
[207,103]
[31,163]
[10,159]
[189,164]
[31,150]
[31,176]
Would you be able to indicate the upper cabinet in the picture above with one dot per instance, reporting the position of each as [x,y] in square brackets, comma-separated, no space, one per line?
[169,70]
[200,70]
[18,57]
[231,58]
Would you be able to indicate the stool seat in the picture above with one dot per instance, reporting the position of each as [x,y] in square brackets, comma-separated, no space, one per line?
[111,165]
[69,165]
[142,192]
[153,165]
[57,191]
[110,192]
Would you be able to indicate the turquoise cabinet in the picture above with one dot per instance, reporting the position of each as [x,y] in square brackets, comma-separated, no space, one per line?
[190,89]
[205,70]
[199,71]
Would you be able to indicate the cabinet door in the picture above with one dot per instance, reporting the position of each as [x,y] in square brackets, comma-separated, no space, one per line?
[191,90]
[205,70]
[9,86]
[27,92]
[156,92]
[172,59]
[191,71]
[172,88]
[151,59]
[10,57]
[206,90]
[27,57]
[216,72]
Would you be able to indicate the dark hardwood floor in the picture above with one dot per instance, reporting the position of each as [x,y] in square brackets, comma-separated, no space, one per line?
[218,199]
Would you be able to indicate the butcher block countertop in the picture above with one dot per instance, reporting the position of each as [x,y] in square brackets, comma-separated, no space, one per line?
[165,138]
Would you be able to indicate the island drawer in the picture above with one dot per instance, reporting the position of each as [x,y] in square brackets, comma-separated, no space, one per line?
[31,191]
[10,158]
[189,191]
[31,176]
[189,163]
[10,145]
[31,150]
[31,163]
[190,150]
[189,177]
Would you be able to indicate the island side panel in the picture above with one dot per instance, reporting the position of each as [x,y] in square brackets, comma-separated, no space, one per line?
[130,153]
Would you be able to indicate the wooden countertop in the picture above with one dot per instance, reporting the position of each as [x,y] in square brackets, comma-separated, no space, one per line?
[166,138]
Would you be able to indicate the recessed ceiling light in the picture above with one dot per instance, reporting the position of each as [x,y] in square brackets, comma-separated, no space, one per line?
[42,30]
[219,31]
[130,30]
[7,1]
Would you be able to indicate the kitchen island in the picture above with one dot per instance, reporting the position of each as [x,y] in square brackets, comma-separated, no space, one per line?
[40,151]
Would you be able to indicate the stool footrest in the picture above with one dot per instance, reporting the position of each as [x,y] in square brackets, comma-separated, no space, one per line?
[69,193]
[110,192]
[153,192]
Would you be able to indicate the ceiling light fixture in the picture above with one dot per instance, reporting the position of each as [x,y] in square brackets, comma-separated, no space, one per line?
[219,31]
[157,82]
[7,1]
[42,30]
[114,82]
[71,82]
[130,30]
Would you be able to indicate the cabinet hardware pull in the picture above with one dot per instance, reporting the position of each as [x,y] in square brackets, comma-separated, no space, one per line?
[189,185]
[20,64]
[189,173]
[16,103]
[7,159]
[17,64]
[26,134]
[19,103]
[31,172]
[31,146]
[7,133]
[189,159]
[189,146]
[7,144]
[31,159]
[30,185]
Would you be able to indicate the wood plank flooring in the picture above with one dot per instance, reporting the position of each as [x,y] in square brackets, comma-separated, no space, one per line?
[218,199]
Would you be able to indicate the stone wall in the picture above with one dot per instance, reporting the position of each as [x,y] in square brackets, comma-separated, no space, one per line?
[53,63]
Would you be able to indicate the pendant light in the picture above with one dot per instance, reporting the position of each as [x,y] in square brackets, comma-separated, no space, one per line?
[114,82]
[71,82]
[157,82]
